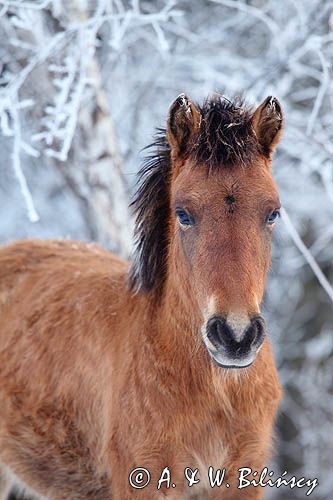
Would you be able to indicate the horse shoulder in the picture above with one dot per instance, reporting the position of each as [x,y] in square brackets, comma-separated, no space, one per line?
[58,313]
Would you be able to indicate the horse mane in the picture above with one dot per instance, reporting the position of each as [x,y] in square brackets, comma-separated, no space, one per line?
[151,208]
[225,138]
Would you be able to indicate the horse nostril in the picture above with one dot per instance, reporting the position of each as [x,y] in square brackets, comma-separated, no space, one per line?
[258,327]
[218,331]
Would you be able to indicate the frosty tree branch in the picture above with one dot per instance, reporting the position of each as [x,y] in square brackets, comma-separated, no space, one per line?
[76,46]
[306,254]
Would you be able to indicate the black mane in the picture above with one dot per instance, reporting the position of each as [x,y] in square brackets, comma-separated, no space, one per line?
[225,138]
[151,208]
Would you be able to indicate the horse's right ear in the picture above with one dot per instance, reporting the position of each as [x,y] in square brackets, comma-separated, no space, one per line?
[183,124]
[267,122]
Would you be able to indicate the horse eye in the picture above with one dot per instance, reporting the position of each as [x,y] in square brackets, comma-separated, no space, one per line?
[184,218]
[272,217]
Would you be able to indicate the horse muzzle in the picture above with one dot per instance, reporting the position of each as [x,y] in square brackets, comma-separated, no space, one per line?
[232,347]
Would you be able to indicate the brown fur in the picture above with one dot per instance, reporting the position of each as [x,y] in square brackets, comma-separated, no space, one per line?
[96,379]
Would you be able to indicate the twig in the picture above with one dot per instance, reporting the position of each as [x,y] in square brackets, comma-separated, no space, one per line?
[325,81]
[306,254]
[254,11]
[25,5]
[32,214]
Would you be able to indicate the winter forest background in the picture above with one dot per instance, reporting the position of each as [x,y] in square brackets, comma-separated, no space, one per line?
[84,83]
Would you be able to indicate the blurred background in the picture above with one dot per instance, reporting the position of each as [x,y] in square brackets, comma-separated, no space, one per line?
[84,83]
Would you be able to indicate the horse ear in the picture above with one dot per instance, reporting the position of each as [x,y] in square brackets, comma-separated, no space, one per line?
[267,122]
[183,124]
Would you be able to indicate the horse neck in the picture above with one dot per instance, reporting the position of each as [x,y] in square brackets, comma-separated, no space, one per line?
[171,327]
[179,312]
[174,360]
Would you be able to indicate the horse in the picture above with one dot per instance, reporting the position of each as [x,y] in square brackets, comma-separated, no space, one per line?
[145,379]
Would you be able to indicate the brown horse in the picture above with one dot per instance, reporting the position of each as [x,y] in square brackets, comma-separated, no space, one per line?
[107,367]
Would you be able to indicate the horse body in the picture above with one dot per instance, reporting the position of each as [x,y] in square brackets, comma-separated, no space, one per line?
[44,382]
[97,379]
[82,409]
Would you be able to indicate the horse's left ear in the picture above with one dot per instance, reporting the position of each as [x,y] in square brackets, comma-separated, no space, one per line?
[267,122]
[183,124]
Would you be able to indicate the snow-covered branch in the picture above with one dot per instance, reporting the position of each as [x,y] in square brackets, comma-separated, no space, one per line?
[69,53]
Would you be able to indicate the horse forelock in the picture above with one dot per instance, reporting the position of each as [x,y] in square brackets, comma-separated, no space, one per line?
[226,136]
